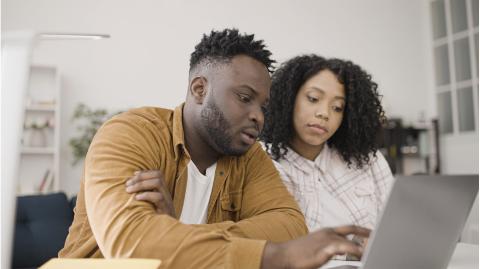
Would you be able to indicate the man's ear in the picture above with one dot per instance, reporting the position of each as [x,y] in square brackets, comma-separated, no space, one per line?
[198,89]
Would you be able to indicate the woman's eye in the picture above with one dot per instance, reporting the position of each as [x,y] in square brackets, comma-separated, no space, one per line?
[312,99]
[338,109]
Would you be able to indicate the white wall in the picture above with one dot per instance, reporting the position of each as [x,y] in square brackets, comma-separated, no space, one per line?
[146,60]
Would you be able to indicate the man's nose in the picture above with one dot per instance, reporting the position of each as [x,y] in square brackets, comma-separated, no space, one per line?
[256,115]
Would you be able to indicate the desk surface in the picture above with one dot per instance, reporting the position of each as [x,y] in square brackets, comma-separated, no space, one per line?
[464,257]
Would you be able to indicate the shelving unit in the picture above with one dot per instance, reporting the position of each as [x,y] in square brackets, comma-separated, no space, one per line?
[51,108]
[411,149]
[40,152]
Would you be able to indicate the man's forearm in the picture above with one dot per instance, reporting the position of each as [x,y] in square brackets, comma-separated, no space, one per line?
[272,257]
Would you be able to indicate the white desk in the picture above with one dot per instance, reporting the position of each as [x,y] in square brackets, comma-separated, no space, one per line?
[464,257]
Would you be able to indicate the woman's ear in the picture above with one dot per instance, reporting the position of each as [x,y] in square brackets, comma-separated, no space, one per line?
[198,89]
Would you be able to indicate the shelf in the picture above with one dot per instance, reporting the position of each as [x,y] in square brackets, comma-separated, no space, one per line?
[40,149]
[50,108]
[37,150]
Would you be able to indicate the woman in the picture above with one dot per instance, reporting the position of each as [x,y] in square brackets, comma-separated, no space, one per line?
[320,129]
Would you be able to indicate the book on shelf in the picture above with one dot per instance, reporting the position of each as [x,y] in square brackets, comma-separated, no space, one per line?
[46,183]
[44,180]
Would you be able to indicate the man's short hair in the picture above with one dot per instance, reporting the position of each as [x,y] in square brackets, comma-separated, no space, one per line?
[222,46]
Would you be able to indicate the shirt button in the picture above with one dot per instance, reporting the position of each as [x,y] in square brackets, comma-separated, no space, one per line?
[221,173]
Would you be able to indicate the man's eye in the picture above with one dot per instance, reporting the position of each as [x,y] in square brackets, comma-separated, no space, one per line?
[244,98]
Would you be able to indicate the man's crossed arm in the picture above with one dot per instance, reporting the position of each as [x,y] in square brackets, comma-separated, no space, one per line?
[310,251]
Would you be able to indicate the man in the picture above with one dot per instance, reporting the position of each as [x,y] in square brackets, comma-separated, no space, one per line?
[233,209]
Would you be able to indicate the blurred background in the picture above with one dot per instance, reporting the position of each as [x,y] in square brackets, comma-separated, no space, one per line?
[422,53]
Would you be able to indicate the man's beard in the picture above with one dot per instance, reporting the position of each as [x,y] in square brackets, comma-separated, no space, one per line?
[217,128]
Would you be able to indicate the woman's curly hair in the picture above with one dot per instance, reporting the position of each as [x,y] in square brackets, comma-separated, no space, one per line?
[363,116]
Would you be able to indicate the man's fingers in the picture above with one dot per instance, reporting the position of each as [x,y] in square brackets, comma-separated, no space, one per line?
[143,175]
[145,185]
[155,198]
[341,246]
[162,205]
[348,247]
[352,229]
[360,240]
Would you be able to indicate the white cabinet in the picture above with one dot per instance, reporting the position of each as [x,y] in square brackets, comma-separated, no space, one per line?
[39,161]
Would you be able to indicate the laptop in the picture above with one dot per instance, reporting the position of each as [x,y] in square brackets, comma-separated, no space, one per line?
[421,223]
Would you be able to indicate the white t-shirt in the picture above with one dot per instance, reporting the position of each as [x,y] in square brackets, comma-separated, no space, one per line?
[197,195]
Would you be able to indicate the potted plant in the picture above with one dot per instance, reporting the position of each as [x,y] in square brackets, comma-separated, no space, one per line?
[89,121]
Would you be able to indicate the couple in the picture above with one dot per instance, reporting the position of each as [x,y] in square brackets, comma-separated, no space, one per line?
[218,199]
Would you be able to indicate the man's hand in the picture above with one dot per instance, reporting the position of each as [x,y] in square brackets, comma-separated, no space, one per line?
[360,241]
[313,250]
[150,187]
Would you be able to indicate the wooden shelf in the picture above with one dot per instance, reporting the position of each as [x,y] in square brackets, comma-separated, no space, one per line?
[37,150]
[50,108]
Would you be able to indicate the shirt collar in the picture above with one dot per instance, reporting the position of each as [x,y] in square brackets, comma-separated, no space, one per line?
[179,139]
[298,161]
[177,133]
[321,162]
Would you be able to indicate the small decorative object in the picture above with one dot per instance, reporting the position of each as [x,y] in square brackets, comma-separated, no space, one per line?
[51,122]
[90,120]
[36,133]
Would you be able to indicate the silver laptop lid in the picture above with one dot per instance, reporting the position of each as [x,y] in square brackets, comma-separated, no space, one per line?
[421,222]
